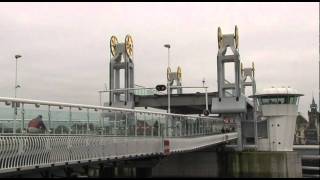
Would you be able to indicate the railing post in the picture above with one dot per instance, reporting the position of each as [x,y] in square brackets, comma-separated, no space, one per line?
[126,130]
[101,121]
[205,126]
[186,127]
[202,127]
[152,124]
[101,130]
[206,99]
[88,119]
[166,130]
[159,125]
[180,127]
[135,123]
[197,126]
[200,132]
[183,127]
[189,127]
[144,125]
[174,127]
[22,119]
[70,119]
[114,124]
[49,119]
[192,127]
[14,116]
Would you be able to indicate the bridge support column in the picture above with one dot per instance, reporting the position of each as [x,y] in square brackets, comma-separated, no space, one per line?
[143,172]
[192,164]
[260,164]
[106,171]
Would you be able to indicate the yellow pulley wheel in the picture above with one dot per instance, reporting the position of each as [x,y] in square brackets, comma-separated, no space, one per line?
[113,45]
[236,36]
[129,46]
[168,73]
[179,73]
[219,38]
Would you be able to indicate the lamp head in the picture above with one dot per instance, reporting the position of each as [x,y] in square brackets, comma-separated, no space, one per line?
[17,56]
[167,45]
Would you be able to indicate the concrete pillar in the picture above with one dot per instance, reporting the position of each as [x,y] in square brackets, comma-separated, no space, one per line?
[193,164]
[143,172]
[106,171]
[261,164]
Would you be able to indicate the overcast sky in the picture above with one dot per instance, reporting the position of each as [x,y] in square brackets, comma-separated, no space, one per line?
[65,46]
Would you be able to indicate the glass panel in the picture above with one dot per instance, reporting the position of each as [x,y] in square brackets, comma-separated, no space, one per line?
[131,123]
[140,123]
[36,119]
[79,121]
[264,100]
[107,123]
[162,124]
[148,124]
[281,100]
[121,123]
[6,118]
[59,120]
[262,129]
[94,122]
[156,125]
[278,100]
[293,100]
[175,125]
[269,100]
[184,126]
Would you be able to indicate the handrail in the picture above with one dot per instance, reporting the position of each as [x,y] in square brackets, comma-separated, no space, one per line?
[53,103]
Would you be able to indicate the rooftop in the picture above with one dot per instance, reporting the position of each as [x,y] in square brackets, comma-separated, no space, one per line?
[278,91]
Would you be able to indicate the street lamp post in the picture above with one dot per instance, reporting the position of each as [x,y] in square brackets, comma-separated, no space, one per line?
[168,84]
[15,94]
[16,81]
[206,93]
[168,132]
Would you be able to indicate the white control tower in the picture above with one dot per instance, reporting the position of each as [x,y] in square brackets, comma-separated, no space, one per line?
[277,121]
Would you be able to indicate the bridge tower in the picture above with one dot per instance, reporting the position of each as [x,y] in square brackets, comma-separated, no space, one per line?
[245,73]
[121,63]
[230,41]
[251,124]
[175,77]
[230,103]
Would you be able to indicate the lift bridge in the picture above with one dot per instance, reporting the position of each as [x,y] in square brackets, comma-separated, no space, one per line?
[78,133]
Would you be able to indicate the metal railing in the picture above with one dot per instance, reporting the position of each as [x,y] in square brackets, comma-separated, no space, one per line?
[78,132]
[45,150]
[99,120]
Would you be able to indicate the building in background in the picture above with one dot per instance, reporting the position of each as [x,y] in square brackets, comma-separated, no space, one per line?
[301,126]
[312,132]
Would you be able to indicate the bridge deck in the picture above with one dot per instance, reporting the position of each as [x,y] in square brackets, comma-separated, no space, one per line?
[187,103]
